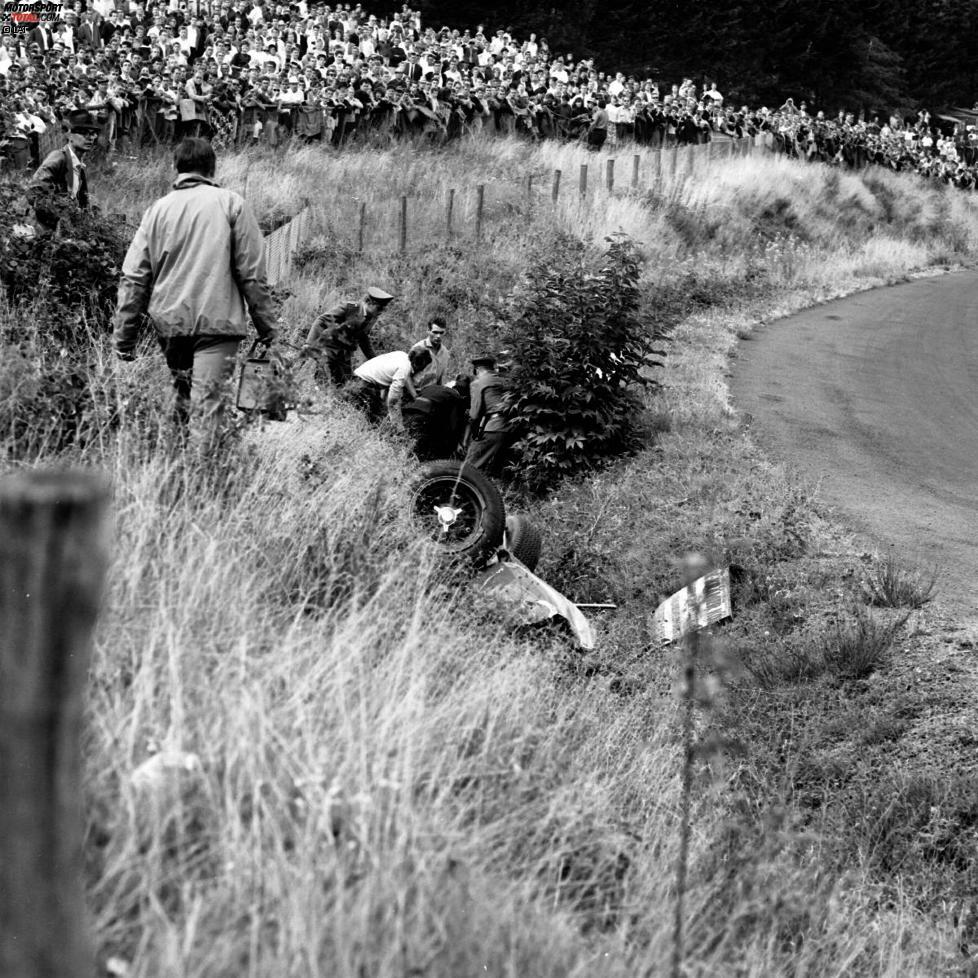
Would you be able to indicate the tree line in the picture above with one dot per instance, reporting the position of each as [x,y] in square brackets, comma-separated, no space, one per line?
[876,56]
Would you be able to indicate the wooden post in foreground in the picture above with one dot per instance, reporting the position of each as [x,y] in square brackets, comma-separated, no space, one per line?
[636,162]
[449,211]
[611,176]
[556,191]
[583,179]
[363,226]
[403,224]
[480,202]
[53,555]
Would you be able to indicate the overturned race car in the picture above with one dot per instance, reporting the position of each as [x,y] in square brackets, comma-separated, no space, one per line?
[461,511]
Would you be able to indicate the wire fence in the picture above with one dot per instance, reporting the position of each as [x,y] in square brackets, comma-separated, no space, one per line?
[401,224]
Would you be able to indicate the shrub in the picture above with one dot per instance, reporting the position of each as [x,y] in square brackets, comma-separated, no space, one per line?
[581,356]
[856,648]
[893,585]
[75,267]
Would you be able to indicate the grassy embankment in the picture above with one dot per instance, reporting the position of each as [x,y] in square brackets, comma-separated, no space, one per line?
[394,785]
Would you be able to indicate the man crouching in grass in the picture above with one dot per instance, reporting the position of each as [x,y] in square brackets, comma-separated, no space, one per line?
[194,265]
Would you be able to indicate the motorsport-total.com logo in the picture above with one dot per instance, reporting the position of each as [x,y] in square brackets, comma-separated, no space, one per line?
[19,18]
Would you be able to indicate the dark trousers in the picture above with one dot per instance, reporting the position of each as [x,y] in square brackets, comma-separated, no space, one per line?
[370,398]
[488,452]
[201,367]
[596,138]
[338,367]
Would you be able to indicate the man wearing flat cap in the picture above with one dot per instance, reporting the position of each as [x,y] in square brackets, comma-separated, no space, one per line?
[61,176]
[340,330]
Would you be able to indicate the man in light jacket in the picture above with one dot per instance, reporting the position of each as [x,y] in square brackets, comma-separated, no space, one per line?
[196,268]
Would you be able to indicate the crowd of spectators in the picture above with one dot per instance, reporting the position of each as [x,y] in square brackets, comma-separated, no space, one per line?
[249,71]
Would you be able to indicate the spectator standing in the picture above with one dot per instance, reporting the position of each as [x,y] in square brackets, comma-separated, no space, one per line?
[434,344]
[598,131]
[195,266]
[61,176]
[343,328]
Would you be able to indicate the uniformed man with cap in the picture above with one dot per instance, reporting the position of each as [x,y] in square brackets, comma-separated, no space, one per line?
[61,176]
[488,428]
[340,330]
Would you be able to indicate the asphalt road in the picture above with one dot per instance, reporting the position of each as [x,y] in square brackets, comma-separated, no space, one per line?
[876,397]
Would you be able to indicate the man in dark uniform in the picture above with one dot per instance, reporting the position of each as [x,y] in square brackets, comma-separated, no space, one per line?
[340,330]
[488,427]
[61,176]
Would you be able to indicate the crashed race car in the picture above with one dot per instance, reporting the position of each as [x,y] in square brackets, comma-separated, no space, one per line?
[460,510]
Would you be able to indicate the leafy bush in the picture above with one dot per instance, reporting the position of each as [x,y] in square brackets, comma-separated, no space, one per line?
[75,267]
[581,357]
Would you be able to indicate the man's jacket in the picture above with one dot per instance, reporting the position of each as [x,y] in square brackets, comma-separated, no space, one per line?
[51,184]
[344,327]
[488,410]
[195,263]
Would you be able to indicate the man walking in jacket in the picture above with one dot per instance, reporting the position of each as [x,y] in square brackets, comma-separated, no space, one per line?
[343,328]
[196,268]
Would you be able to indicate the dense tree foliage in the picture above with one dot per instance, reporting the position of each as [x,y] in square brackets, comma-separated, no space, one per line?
[873,56]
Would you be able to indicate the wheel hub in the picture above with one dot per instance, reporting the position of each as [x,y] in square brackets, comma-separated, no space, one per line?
[447,515]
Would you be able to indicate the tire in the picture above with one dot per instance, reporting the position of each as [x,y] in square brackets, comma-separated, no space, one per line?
[523,541]
[472,517]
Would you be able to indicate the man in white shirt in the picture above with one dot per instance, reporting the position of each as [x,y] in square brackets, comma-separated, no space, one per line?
[383,381]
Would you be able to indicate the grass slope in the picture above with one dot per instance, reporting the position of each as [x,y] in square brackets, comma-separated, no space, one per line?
[392,784]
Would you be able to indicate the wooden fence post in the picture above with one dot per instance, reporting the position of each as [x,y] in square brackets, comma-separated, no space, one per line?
[529,194]
[480,200]
[363,226]
[403,225]
[636,163]
[583,186]
[556,189]
[53,555]
[449,211]
[657,167]
[610,166]
[673,154]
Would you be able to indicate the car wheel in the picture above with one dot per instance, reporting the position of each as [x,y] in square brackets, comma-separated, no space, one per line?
[459,509]
[523,541]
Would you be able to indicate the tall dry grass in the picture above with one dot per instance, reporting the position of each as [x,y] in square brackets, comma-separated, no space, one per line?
[391,783]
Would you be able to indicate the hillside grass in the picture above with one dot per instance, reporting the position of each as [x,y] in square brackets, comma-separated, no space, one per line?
[392,783]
